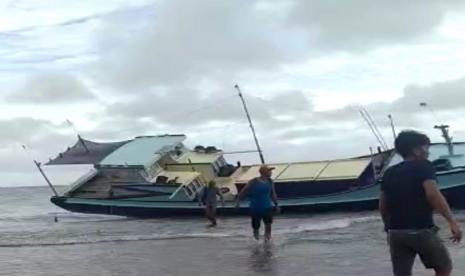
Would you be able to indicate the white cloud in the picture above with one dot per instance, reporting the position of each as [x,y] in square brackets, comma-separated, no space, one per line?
[52,88]
[22,131]
[364,24]
[185,41]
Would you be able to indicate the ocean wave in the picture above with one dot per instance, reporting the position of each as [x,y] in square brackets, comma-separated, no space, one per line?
[119,239]
[61,216]
[224,231]
[326,225]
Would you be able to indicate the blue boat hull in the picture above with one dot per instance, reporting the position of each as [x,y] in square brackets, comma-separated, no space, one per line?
[228,210]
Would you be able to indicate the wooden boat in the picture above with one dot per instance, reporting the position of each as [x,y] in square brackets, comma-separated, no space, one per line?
[157,176]
[452,184]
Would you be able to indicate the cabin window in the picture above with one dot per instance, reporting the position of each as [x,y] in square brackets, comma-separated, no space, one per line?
[188,191]
[216,167]
[154,169]
[197,184]
[191,187]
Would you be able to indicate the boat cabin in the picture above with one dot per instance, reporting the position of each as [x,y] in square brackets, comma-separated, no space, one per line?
[155,166]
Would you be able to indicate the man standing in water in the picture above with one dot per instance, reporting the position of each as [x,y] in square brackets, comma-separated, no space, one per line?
[261,193]
[208,198]
[409,194]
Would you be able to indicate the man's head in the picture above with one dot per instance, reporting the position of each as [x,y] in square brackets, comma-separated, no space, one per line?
[265,171]
[211,183]
[412,145]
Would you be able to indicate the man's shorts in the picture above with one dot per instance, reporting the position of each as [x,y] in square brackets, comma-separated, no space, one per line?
[257,217]
[406,244]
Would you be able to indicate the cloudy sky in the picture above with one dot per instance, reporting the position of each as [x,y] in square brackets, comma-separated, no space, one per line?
[118,69]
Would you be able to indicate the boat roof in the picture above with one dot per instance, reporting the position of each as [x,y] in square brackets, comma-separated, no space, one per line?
[140,151]
[319,170]
[78,154]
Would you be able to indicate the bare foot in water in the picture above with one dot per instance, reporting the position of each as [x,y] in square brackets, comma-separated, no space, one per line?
[256,235]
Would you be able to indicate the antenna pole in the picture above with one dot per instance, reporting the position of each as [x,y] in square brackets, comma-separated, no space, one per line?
[391,120]
[260,153]
[443,128]
[445,134]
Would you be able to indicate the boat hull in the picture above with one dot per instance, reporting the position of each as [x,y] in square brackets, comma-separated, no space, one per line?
[192,210]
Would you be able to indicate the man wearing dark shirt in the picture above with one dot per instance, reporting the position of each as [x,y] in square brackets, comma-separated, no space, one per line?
[409,194]
[208,198]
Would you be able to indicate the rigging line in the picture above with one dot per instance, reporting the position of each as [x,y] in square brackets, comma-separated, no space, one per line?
[213,104]
[377,130]
[373,127]
[384,144]
[222,127]
[370,126]
[379,135]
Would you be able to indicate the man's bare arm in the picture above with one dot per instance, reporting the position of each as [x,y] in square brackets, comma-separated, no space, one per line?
[437,200]
[242,193]
[439,203]
[218,192]
[383,209]
[274,196]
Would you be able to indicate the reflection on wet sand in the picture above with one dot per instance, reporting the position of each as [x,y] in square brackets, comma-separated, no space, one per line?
[262,258]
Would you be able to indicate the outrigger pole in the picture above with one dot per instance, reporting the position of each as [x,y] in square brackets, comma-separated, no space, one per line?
[372,125]
[39,167]
[260,153]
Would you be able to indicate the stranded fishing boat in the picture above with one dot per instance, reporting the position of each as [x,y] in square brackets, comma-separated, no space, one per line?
[158,176]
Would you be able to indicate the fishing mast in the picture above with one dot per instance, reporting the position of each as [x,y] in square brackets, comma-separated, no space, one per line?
[260,153]
[443,128]
[393,128]
[445,134]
